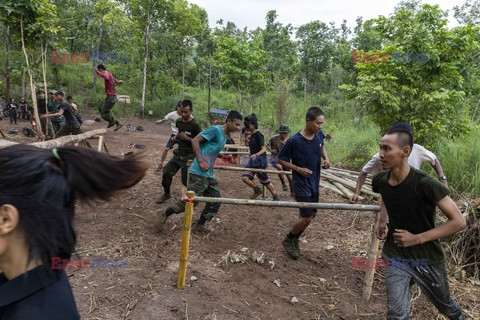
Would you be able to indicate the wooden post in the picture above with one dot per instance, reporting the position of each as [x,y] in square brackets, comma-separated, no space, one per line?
[100,144]
[105,147]
[187,224]
[372,254]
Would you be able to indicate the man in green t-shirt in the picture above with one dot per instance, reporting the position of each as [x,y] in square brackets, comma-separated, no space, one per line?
[207,145]
[411,197]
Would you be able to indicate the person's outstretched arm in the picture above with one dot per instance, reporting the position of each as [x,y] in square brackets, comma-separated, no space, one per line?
[360,181]
[439,170]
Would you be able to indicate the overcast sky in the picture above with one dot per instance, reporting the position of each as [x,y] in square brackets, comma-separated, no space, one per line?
[251,13]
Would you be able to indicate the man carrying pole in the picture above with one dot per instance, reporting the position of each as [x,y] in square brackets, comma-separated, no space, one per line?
[207,146]
[305,150]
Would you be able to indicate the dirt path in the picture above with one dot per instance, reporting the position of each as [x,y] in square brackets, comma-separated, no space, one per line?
[322,280]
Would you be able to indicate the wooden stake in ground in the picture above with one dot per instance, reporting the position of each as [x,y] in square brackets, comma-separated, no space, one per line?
[187,224]
[372,255]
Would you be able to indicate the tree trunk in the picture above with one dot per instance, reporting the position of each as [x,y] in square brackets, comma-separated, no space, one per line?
[7,66]
[94,85]
[32,87]
[23,83]
[240,102]
[304,91]
[147,42]
[209,91]
[183,75]
[44,72]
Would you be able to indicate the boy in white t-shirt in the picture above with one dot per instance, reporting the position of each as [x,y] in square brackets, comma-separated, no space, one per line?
[172,117]
[418,156]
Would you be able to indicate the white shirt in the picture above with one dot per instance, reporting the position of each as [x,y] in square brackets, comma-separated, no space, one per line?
[173,117]
[418,156]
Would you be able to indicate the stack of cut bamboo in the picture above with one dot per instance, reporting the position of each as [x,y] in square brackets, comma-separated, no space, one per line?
[344,181]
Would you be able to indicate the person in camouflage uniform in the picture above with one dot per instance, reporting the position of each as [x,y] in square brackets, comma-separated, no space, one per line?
[188,128]
[207,146]
[53,106]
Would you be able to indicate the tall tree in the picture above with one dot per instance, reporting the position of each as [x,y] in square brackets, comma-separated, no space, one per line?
[425,90]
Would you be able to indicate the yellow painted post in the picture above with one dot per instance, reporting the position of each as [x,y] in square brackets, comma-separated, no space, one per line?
[187,224]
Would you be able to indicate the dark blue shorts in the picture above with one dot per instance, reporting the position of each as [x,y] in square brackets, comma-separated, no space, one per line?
[258,163]
[306,212]
[171,142]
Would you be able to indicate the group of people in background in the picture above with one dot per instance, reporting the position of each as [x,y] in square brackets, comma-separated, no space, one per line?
[409,197]
[64,113]
[16,111]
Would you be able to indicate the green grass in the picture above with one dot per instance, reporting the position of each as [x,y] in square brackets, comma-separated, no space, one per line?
[460,159]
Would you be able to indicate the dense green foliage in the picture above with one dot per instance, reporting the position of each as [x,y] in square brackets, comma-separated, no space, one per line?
[277,71]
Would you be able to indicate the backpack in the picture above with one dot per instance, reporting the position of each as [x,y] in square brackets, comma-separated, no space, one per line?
[28,132]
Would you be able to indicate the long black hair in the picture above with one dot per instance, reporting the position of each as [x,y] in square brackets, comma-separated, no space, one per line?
[43,185]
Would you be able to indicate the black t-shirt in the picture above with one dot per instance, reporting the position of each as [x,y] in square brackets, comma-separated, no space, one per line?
[191,129]
[42,106]
[411,206]
[23,105]
[68,113]
[12,106]
[256,142]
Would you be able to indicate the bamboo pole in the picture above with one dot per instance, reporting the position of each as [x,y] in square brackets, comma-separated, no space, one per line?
[251,170]
[372,255]
[6,143]
[344,190]
[329,186]
[348,184]
[187,224]
[239,152]
[100,144]
[233,146]
[59,142]
[289,204]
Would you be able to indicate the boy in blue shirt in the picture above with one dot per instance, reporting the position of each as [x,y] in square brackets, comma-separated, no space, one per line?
[207,145]
[303,154]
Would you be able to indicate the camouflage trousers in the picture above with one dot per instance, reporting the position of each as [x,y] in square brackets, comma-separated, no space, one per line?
[202,186]
[105,108]
[49,131]
[179,161]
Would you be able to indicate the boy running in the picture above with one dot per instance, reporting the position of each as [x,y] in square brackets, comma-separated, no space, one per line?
[172,117]
[411,197]
[111,98]
[188,129]
[258,160]
[207,146]
[305,150]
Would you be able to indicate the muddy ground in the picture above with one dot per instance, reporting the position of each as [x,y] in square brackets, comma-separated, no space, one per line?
[322,280]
